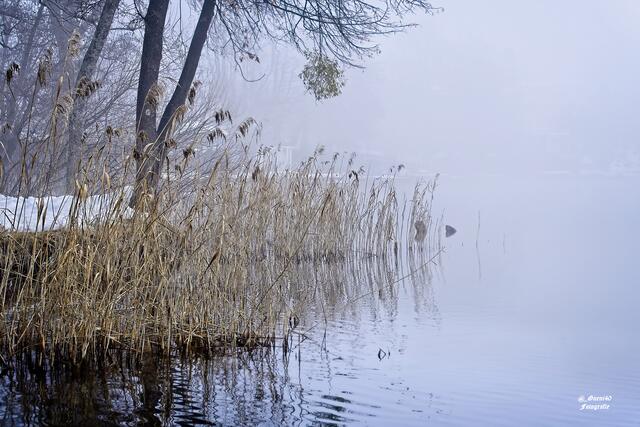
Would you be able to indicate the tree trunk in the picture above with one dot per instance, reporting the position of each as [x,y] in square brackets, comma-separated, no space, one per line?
[85,75]
[146,106]
[149,179]
[10,142]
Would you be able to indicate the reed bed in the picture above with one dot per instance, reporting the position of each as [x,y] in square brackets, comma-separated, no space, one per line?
[233,250]
[215,262]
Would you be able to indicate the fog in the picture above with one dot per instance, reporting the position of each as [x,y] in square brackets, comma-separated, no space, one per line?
[170,276]
[484,87]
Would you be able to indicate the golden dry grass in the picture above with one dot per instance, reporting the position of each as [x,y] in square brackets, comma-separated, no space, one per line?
[215,262]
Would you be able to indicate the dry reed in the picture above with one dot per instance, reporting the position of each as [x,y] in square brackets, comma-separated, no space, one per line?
[212,263]
[217,260]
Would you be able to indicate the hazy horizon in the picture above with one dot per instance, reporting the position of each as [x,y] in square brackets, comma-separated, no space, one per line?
[479,88]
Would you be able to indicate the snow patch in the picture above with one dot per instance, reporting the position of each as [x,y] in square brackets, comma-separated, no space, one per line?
[57,212]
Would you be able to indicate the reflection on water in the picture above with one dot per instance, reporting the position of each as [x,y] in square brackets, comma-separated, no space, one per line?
[241,387]
[553,318]
[478,249]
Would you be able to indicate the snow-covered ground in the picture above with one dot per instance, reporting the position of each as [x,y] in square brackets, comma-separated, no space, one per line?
[56,212]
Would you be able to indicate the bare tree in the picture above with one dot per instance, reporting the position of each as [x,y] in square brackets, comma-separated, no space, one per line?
[85,85]
[150,162]
[329,32]
[41,55]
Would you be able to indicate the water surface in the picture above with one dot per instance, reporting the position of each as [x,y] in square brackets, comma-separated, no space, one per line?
[533,305]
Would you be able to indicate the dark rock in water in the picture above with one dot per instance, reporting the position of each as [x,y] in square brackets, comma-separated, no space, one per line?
[449,231]
[421,230]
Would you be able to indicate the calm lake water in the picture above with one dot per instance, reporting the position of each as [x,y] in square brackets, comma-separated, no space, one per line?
[535,303]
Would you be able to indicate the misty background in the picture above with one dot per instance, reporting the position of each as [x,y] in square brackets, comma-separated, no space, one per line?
[484,87]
